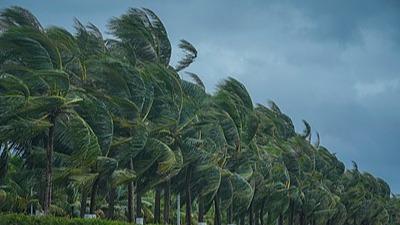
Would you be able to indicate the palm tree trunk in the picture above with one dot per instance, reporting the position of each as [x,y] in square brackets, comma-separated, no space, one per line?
[229,214]
[328,222]
[280,219]
[83,203]
[93,195]
[242,220]
[4,158]
[217,218]
[49,164]
[251,221]
[201,210]
[256,217]
[178,209]
[157,206]
[188,197]
[261,216]
[302,219]
[167,201]
[111,203]
[72,208]
[130,195]
[138,205]
[291,215]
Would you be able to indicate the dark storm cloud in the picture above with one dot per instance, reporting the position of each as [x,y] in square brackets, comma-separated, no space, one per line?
[333,63]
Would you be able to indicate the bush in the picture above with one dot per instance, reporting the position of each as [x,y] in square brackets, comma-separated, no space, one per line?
[21,219]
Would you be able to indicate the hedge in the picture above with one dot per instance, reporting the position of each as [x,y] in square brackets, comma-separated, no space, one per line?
[21,219]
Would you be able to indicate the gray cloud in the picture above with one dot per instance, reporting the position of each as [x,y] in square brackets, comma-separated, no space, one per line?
[333,63]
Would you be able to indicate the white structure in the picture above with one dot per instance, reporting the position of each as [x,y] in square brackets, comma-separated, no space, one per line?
[39,213]
[90,216]
[139,220]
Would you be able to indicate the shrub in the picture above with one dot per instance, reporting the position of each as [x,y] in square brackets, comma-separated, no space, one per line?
[21,219]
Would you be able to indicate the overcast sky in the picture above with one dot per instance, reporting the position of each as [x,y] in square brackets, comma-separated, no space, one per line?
[335,64]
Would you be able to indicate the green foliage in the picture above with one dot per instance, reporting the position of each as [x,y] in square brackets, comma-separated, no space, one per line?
[20,219]
[86,123]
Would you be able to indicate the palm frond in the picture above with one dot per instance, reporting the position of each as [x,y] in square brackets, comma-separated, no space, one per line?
[73,131]
[196,79]
[98,117]
[189,57]
[163,45]
[18,16]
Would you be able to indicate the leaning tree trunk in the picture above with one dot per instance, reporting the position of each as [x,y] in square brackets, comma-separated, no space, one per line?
[217,218]
[93,195]
[188,197]
[49,164]
[167,202]
[157,206]
[130,195]
[83,203]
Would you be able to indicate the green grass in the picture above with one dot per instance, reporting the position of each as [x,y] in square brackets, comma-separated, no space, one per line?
[21,219]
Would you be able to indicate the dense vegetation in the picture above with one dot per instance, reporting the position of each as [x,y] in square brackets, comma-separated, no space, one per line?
[108,126]
[20,219]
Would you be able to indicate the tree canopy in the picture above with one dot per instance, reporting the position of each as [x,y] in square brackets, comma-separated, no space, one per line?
[109,127]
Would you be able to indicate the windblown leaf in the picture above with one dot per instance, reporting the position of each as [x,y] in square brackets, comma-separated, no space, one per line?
[189,57]
[73,131]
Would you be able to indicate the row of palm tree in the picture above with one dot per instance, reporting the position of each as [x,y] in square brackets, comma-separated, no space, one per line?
[108,126]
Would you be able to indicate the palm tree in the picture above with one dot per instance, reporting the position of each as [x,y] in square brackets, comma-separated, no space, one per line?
[35,62]
[240,126]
